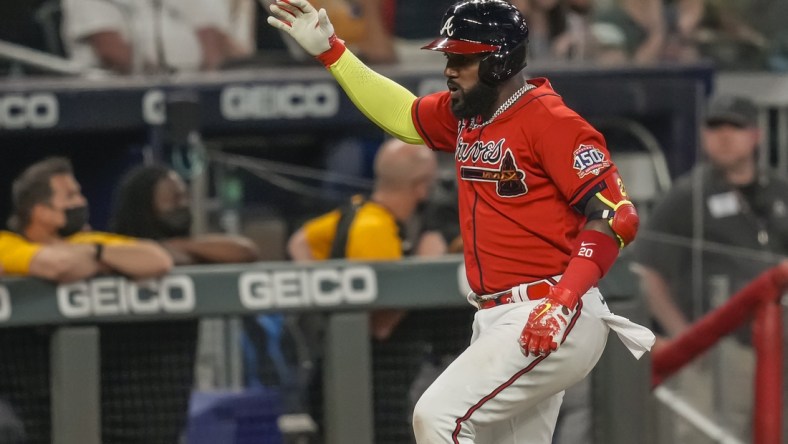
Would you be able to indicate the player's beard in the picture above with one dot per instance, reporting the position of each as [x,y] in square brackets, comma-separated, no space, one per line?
[476,101]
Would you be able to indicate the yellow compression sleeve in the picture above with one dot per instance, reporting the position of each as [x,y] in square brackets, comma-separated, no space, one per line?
[382,100]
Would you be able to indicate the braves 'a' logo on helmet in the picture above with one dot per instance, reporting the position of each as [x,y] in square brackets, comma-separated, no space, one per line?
[492,27]
[448,27]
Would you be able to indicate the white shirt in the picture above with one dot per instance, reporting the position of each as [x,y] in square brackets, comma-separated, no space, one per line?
[162,33]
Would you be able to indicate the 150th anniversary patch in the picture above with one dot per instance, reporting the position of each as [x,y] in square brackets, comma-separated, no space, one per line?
[588,159]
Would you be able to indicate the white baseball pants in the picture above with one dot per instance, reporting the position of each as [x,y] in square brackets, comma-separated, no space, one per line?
[493,394]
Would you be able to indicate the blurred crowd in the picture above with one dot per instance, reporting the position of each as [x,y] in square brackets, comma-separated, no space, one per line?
[160,36]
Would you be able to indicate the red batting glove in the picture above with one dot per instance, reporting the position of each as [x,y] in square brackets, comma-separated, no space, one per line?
[548,322]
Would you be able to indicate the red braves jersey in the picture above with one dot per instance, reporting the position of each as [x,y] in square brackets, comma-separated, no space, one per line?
[519,177]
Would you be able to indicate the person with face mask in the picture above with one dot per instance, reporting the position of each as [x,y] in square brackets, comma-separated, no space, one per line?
[50,239]
[153,203]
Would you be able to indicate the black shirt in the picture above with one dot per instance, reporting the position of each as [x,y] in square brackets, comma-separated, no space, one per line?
[744,231]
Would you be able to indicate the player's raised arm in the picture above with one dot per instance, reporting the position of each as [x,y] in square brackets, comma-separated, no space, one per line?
[382,100]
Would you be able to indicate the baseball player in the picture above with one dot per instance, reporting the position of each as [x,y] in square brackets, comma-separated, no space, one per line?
[543,214]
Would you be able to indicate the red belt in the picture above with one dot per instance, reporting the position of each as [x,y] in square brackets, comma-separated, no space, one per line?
[533,291]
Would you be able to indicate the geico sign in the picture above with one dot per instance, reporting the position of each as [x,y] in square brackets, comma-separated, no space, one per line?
[288,101]
[115,296]
[302,288]
[5,304]
[38,110]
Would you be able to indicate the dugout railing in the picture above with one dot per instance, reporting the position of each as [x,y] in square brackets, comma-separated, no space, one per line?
[761,301]
[347,290]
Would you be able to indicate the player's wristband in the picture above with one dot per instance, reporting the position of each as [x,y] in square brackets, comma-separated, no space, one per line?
[596,247]
[333,54]
[564,296]
[592,256]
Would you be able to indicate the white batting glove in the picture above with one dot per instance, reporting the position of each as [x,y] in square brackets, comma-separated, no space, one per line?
[308,26]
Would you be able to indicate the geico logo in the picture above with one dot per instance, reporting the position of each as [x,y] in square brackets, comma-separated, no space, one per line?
[288,101]
[5,304]
[34,111]
[153,109]
[301,288]
[109,296]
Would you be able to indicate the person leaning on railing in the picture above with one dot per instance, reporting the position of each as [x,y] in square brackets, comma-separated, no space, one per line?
[51,240]
[153,203]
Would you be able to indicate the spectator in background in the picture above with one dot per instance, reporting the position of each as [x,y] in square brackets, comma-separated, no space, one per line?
[51,237]
[559,30]
[51,240]
[577,42]
[719,31]
[152,203]
[683,18]
[378,45]
[373,229]
[744,207]
[403,179]
[242,29]
[395,30]
[641,22]
[739,212]
[148,36]
[363,24]
[547,21]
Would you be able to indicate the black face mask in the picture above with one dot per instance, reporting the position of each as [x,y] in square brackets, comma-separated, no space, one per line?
[76,219]
[176,222]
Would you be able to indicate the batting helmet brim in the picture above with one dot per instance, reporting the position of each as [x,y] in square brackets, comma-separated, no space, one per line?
[454,46]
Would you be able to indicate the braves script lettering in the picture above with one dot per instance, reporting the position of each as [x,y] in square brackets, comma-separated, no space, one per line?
[487,152]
